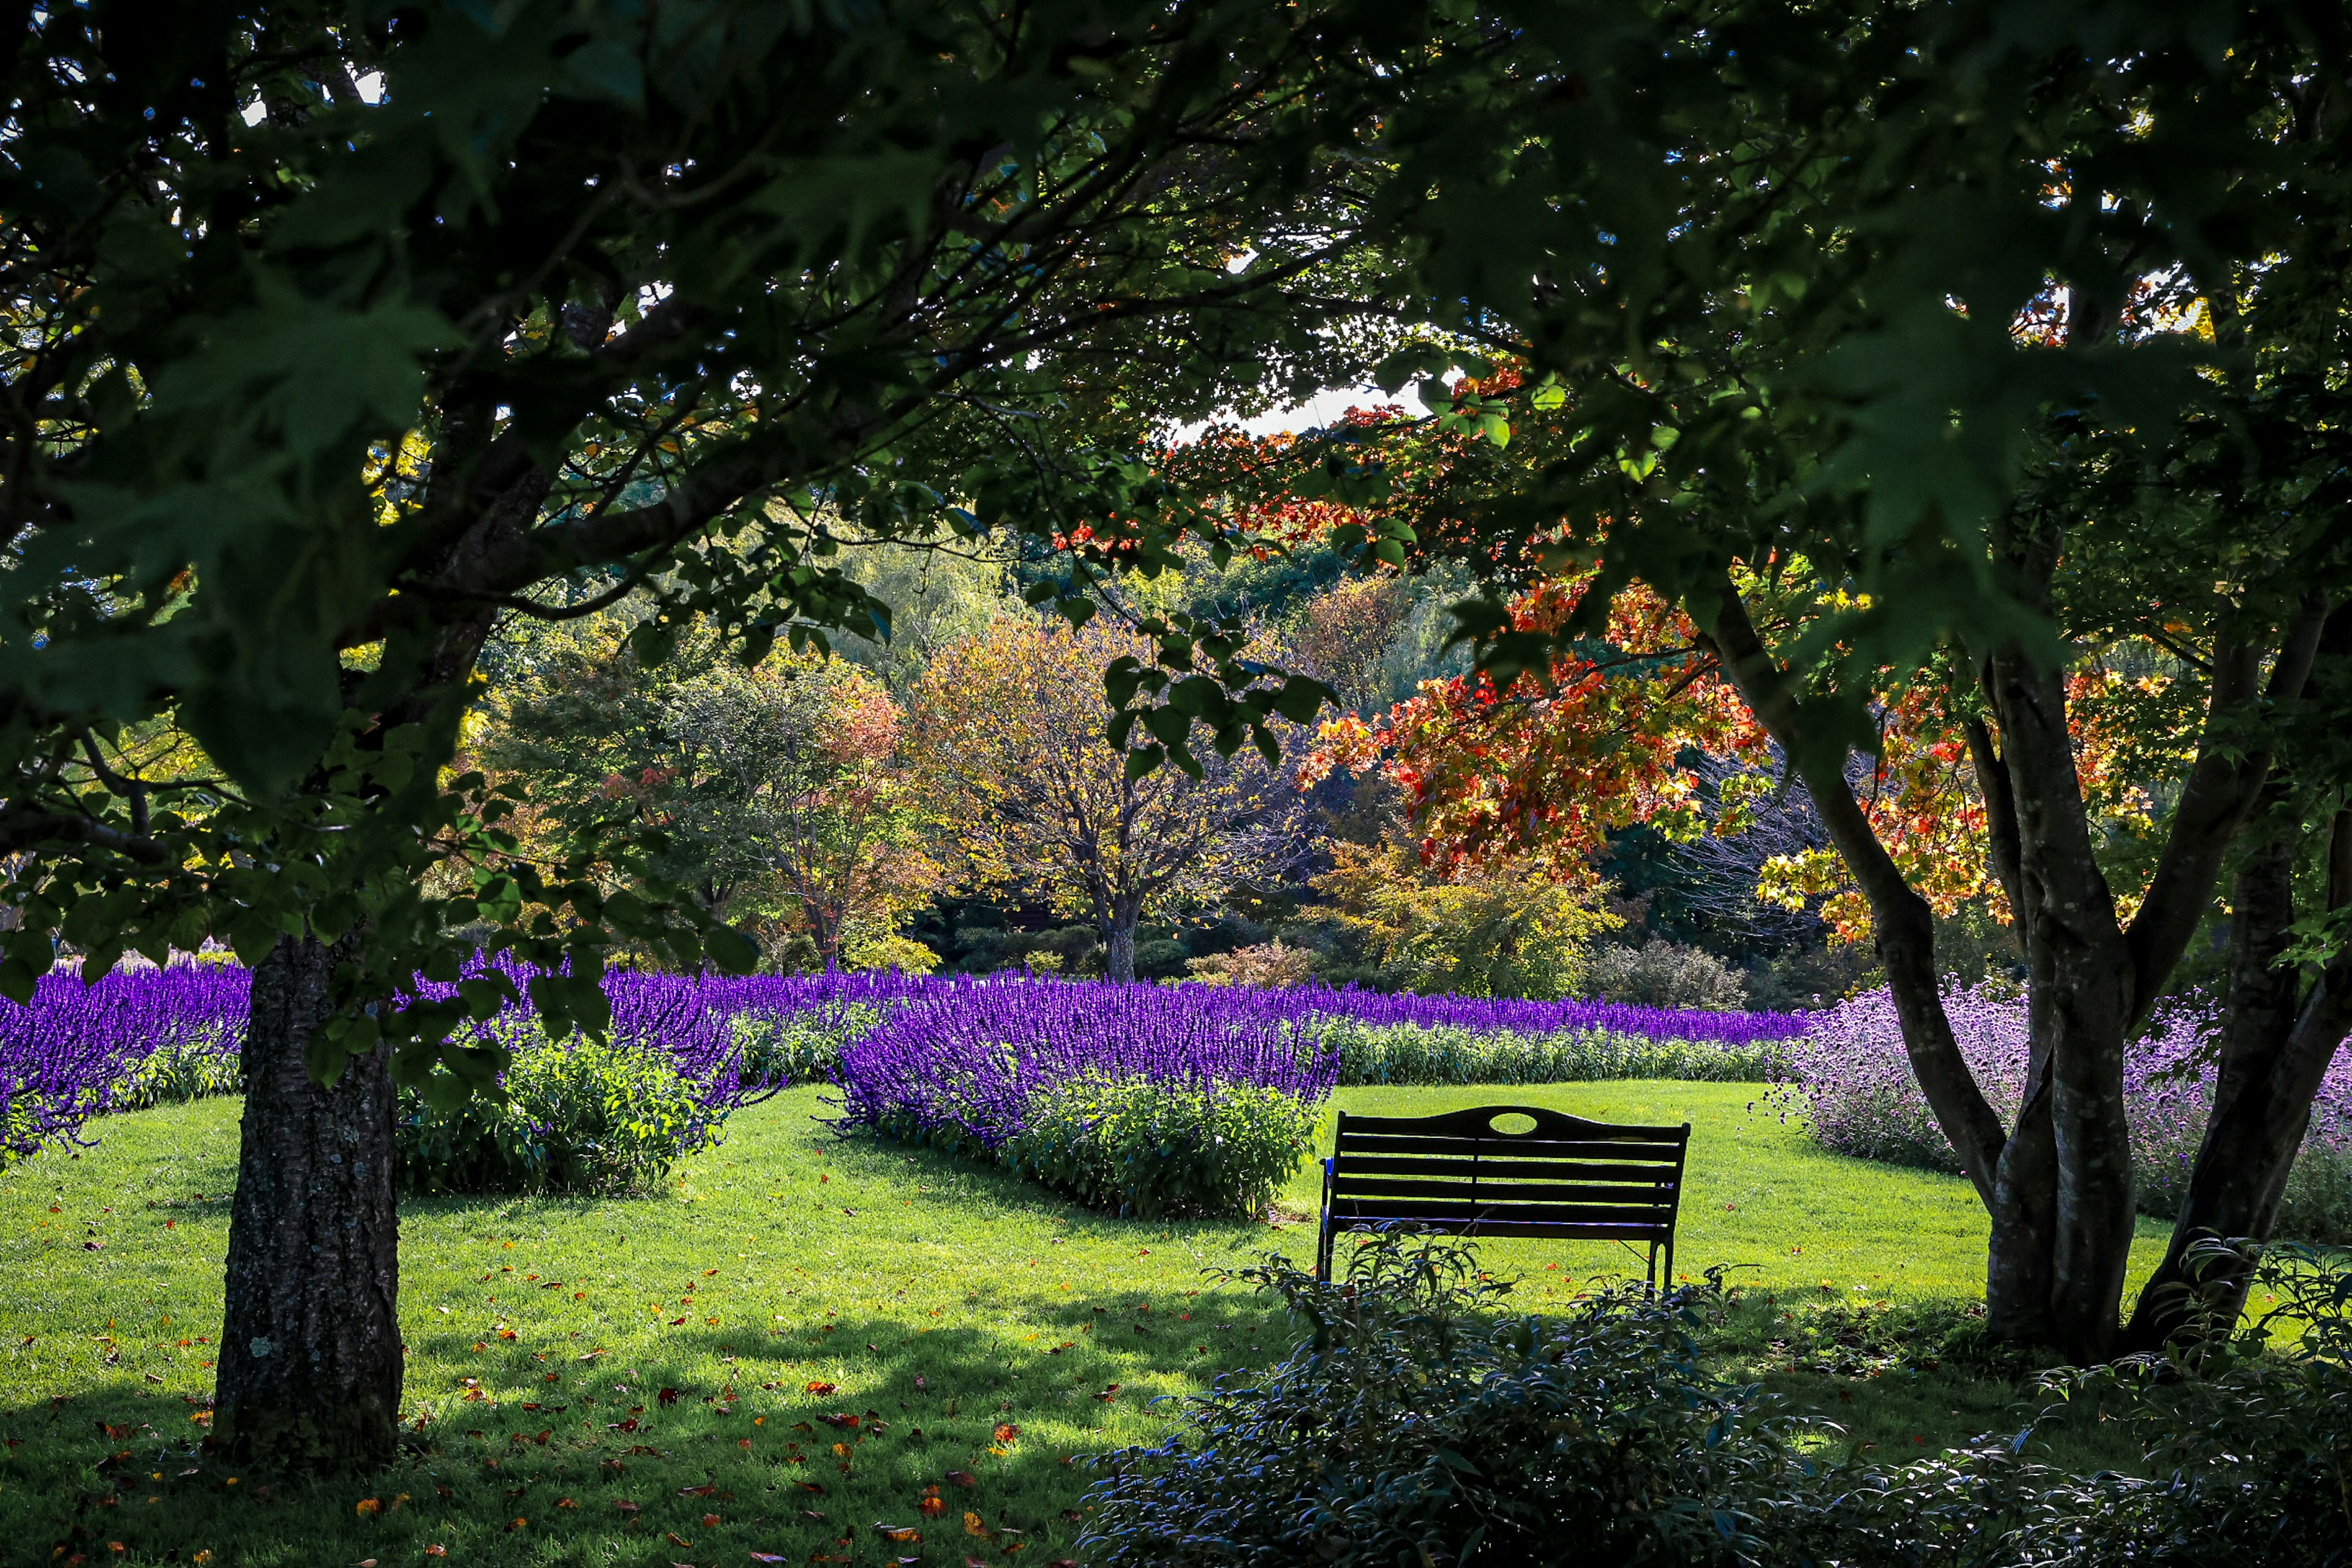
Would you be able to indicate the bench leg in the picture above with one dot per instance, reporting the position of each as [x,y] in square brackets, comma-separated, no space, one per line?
[1323,1239]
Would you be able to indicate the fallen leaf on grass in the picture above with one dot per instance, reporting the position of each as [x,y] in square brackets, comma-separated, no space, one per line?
[975,1525]
[675,1539]
[625,1506]
[824,1387]
[368,1505]
[962,1478]
[901,1533]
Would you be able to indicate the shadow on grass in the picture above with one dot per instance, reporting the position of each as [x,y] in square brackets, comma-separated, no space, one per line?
[961,1445]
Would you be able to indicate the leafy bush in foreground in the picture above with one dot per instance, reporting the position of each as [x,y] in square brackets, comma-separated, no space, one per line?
[1418,1424]
[1152,1149]
[1414,1425]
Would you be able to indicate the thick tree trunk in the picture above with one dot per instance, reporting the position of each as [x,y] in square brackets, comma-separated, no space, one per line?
[2082,990]
[311,1353]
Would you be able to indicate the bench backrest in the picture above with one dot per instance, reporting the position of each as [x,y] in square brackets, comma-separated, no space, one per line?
[1563,1176]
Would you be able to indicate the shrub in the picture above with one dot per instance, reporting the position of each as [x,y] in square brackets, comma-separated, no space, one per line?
[575,1116]
[1269,963]
[2247,1454]
[802,1047]
[1414,1426]
[1152,1149]
[1504,929]
[1662,973]
[1453,1053]
[188,1065]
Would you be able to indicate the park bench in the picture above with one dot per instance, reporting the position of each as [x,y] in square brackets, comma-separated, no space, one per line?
[1462,1174]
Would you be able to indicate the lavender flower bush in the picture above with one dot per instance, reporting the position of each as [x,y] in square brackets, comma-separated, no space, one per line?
[136,1038]
[586,1116]
[1851,1082]
[1132,1096]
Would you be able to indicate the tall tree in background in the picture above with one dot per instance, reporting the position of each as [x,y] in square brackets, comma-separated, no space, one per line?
[778,791]
[1012,729]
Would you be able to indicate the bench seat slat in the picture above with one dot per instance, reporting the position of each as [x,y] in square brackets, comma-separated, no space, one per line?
[1647,1192]
[1542,1169]
[1654,1175]
[1546,1229]
[1354,1142]
[1565,1214]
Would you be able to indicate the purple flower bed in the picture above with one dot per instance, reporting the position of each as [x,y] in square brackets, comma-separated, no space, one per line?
[1523,1017]
[141,1036]
[78,1050]
[970,1059]
[1852,1083]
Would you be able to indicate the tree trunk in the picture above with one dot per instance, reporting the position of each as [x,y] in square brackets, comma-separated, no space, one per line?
[2081,994]
[2275,1050]
[1119,941]
[311,1353]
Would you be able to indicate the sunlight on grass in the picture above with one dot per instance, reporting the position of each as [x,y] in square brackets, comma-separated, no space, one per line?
[611,1380]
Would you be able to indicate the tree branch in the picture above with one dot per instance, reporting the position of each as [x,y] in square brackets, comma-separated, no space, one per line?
[2222,788]
[1904,924]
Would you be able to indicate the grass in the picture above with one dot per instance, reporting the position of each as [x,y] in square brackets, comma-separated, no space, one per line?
[949,1304]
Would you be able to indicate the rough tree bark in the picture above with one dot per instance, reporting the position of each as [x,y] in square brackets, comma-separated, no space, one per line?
[311,1354]
[310,1364]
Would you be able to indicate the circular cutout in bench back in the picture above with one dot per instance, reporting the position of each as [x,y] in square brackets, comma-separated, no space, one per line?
[1513,1123]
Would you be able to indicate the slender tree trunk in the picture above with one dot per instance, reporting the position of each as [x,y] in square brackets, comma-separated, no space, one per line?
[2275,1050]
[1119,941]
[311,1353]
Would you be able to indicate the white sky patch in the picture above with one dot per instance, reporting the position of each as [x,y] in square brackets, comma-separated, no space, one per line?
[254,111]
[371,87]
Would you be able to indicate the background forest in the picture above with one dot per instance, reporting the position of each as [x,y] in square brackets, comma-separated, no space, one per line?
[946,801]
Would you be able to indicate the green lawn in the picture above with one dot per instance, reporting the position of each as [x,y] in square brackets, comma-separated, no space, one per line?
[949,1304]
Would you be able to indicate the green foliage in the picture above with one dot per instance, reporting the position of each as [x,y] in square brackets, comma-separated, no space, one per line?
[1153,1150]
[1664,975]
[1415,1423]
[577,1116]
[1506,929]
[803,1047]
[180,1068]
[1449,1054]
